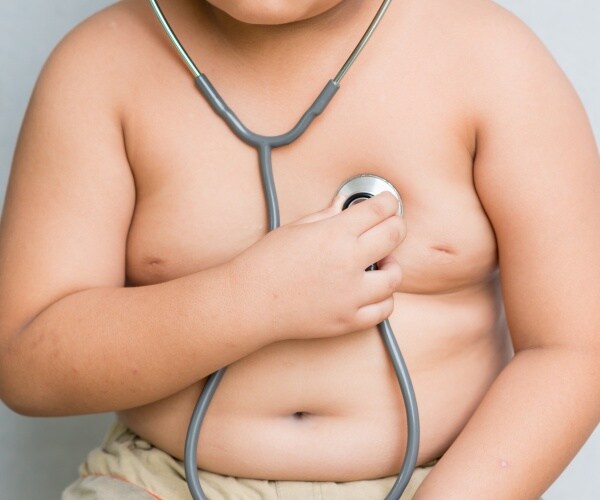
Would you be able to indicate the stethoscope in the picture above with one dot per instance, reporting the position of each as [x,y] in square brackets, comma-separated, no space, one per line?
[353,191]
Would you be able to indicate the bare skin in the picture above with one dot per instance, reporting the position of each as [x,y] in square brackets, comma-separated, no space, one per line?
[168,277]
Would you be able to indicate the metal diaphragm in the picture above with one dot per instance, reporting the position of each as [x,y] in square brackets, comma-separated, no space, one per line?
[365,186]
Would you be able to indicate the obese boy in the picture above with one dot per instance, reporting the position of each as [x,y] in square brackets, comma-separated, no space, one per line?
[134,260]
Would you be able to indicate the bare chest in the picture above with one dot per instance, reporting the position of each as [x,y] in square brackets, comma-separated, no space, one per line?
[199,195]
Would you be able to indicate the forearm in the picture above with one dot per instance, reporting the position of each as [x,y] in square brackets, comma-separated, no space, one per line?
[533,420]
[113,348]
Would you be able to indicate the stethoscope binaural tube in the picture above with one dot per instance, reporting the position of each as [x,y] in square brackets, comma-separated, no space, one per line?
[264,146]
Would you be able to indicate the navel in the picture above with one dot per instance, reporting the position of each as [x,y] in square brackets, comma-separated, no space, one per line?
[301,415]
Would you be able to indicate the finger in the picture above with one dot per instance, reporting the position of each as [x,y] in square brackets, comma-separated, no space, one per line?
[363,216]
[373,314]
[380,284]
[383,262]
[381,240]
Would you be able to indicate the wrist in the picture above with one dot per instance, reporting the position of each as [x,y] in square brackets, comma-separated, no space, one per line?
[252,298]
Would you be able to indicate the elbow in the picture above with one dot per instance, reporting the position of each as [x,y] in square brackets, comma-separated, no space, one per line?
[22,389]
[15,397]
[16,392]
[23,403]
[13,400]
[19,406]
[27,392]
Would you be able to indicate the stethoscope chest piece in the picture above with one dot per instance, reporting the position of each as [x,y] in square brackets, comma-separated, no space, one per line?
[365,186]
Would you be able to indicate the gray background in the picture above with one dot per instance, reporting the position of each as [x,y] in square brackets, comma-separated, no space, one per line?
[39,456]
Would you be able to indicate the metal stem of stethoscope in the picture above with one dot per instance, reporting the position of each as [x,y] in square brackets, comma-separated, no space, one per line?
[264,146]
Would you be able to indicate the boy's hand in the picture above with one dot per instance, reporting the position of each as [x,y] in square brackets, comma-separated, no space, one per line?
[307,279]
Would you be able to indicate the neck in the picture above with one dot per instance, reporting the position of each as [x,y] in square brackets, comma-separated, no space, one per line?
[340,26]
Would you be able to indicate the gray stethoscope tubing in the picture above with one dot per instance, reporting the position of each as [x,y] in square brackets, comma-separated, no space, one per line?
[264,145]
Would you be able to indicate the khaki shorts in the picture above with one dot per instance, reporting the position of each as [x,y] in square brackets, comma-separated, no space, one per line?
[127,467]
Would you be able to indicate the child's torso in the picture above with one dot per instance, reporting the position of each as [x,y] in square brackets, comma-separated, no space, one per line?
[402,114]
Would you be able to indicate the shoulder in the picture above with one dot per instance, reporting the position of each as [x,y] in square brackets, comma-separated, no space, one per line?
[486,37]
[480,21]
[101,53]
[499,65]
[503,59]
[105,32]
[475,47]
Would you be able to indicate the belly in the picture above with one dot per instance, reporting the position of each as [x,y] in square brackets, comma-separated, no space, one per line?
[331,409]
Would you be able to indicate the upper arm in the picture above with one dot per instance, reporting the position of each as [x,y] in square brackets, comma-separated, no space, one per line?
[537,173]
[71,193]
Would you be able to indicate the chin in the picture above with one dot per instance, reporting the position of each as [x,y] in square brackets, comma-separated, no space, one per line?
[273,12]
